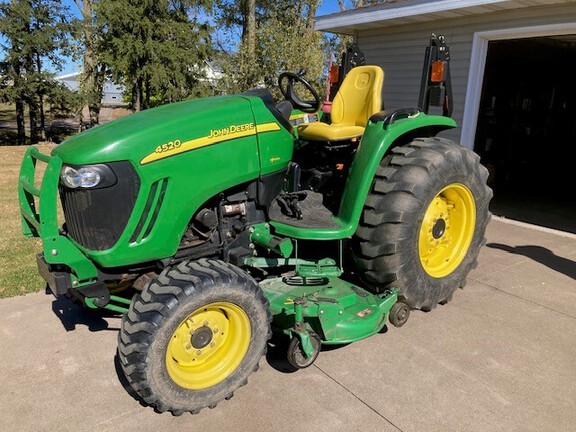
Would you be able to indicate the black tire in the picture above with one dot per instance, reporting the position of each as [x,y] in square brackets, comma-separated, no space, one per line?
[162,308]
[386,245]
[399,314]
[296,356]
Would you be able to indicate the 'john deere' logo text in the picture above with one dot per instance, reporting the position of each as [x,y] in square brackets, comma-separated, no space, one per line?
[230,130]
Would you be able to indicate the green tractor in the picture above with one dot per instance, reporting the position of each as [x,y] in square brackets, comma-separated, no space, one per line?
[210,223]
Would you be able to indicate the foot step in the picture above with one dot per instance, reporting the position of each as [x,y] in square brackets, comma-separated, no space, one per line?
[314,214]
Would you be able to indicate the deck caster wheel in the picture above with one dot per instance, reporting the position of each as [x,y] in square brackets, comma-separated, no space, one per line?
[399,314]
[296,356]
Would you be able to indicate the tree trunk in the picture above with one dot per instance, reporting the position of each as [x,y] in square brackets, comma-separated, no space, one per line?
[137,94]
[313,7]
[42,117]
[251,28]
[33,114]
[20,122]
[147,94]
[20,127]
[41,100]
[248,58]
[92,77]
[30,95]
[40,89]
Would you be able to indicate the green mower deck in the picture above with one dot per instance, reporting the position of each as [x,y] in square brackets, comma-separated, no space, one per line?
[336,310]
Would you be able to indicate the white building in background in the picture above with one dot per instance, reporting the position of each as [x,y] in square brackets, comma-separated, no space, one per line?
[213,72]
[111,93]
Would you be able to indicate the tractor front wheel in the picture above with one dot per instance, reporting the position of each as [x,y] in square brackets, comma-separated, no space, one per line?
[194,336]
[424,221]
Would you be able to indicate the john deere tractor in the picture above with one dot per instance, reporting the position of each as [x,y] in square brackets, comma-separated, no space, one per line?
[210,223]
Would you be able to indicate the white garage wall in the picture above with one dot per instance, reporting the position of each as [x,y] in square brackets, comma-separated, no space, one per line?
[399,50]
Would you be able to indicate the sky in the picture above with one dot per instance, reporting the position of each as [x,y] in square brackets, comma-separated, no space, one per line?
[326,7]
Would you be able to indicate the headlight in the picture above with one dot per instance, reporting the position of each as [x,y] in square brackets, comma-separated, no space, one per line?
[71,177]
[89,176]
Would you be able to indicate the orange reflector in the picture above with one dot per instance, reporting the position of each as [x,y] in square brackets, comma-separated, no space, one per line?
[438,68]
[333,75]
[339,167]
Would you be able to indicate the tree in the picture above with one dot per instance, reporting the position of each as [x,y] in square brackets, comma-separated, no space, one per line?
[49,31]
[13,26]
[239,18]
[154,47]
[94,69]
[353,4]
[287,42]
[249,37]
[35,32]
[64,103]
[274,37]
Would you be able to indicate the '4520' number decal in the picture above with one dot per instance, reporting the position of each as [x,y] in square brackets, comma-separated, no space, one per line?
[170,145]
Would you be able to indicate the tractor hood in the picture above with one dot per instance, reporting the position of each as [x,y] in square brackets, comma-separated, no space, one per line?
[139,137]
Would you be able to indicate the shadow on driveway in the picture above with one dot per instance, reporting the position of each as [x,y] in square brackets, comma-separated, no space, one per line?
[542,255]
[71,315]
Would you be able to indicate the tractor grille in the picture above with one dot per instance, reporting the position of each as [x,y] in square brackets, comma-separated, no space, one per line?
[96,218]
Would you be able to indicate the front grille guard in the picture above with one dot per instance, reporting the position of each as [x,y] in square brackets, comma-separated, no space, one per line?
[39,210]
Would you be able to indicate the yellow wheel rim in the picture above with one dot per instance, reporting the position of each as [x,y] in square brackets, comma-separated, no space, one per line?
[447,230]
[208,346]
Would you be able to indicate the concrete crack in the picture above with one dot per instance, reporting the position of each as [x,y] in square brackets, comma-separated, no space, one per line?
[358,398]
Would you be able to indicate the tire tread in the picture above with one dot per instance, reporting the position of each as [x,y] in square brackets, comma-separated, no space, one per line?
[392,208]
[152,306]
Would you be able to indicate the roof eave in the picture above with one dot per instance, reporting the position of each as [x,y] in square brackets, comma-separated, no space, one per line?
[350,21]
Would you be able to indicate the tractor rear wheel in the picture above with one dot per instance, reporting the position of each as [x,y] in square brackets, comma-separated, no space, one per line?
[194,335]
[423,222]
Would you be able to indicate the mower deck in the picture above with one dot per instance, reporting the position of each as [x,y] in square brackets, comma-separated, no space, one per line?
[337,311]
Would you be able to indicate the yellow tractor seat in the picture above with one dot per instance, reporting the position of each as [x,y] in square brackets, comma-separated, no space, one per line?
[359,97]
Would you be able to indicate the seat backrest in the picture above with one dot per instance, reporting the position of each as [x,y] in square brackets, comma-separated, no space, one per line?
[359,96]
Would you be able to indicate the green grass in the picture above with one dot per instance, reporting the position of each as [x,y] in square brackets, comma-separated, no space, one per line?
[18,274]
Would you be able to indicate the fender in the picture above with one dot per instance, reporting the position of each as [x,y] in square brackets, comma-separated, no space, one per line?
[384,131]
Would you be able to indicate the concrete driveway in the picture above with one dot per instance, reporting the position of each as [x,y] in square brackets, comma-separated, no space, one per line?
[500,357]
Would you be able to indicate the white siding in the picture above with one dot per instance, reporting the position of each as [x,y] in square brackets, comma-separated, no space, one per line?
[399,50]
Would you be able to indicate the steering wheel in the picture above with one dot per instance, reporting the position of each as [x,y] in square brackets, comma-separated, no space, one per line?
[286,83]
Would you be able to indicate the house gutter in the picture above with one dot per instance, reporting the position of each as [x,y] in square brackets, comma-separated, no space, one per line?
[394,11]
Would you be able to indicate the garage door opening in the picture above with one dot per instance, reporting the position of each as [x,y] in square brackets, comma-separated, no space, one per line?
[526,132]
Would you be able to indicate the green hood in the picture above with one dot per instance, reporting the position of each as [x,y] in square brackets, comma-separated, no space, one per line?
[138,135]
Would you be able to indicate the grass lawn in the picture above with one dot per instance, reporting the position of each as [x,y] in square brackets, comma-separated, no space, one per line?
[18,274]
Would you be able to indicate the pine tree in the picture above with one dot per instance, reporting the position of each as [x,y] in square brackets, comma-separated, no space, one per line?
[35,31]
[13,26]
[94,69]
[154,47]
